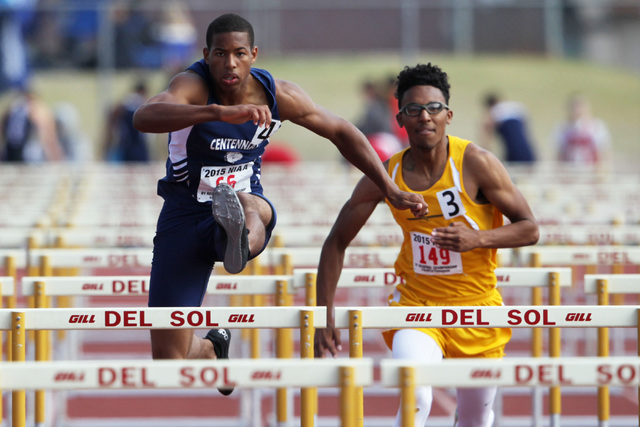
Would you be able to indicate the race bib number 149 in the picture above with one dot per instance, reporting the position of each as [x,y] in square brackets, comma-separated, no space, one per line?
[429,260]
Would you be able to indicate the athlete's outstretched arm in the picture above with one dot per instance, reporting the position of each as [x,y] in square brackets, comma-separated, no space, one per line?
[295,105]
[353,215]
[184,104]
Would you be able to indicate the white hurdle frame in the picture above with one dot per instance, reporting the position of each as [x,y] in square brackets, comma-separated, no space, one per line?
[553,278]
[530,372]
[356,319]
[42,319]
[136,374]
[603,285]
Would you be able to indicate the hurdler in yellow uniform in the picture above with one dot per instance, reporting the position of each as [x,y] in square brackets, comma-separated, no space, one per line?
[440,277]
[448,256]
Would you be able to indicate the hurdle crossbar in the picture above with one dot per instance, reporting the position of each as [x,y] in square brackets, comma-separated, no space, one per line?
[517,372]
[139,285]
[568,316]
[374,277]
[163,318]
[508,372]
[145,374]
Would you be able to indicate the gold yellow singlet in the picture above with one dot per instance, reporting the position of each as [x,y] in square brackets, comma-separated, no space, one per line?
[439,277]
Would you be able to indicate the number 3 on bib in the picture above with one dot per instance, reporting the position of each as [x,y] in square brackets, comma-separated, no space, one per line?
[430,260]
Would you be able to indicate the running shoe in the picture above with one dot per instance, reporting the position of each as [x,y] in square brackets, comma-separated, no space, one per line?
[229,214]
[221,339]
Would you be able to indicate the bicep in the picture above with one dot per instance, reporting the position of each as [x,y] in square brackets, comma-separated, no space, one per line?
[497,187]
[295,105]
[185,88]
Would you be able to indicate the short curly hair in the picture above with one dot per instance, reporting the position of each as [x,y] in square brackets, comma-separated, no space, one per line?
[422,75]
[229,23]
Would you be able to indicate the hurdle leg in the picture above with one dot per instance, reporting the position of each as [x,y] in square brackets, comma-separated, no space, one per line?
[536,346]
[18,397]
[603,351]
[41,353]
[310,300]
[347,397]
[355,350]
[307,404]
[408,396]
[554,350]
[284,349]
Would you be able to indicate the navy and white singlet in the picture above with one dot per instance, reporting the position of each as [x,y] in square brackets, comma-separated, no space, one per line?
[188,240]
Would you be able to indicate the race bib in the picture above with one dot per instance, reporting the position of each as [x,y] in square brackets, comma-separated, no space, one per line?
[429,260]
[237,176]
[450,203]
[263,133]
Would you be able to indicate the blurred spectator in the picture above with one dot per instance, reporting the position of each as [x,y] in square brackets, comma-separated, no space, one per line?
[132,37]
[14,17]
[507,119]
[75,143]
[123,143]
[582,139]
[177,36]
[375,117]
[376,120]
[394,110]
[29,131]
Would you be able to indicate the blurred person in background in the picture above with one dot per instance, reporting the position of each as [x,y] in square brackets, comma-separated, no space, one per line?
[177,37]
[29,132]
[123,142]
[582,139]
[220,115]
[508,120]
[375,121]
[15,15]
[448,257]
[75,143]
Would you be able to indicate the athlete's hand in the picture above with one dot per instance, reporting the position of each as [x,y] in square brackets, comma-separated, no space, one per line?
[414,202]
[237,114]
[327,339]
[457,237]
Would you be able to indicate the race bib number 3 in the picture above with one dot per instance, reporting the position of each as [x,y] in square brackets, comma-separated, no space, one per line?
[237,176]
[450,203]
[429,260]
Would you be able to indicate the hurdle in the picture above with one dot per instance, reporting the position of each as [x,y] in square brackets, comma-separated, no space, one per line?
[553,278]
[529,372]
[189,374]
[355,319]
[304,318]
[603,285]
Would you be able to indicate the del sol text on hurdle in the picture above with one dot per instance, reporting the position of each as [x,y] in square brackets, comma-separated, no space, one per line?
[179,318]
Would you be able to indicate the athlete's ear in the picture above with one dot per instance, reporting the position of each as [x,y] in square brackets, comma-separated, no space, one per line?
[449,116]
[254,54]
[399,119]
[205,54]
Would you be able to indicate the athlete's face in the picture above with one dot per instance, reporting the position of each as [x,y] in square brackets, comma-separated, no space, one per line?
[426,129]
[230,58]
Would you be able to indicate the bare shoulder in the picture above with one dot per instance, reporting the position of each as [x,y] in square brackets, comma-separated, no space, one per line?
[186,87]
[293,101]
[481,161]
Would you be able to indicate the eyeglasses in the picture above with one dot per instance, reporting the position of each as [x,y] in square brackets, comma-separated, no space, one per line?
[416,109]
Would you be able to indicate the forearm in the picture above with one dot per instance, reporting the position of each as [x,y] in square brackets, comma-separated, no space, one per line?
[517,234]
[162,117]
[329,269]
[358,151]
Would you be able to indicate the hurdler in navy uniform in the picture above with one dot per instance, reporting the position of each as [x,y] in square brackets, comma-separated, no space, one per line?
[219,115]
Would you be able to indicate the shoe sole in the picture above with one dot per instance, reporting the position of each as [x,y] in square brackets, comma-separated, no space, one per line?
[228,212]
